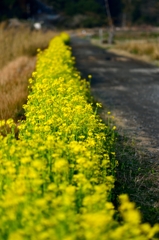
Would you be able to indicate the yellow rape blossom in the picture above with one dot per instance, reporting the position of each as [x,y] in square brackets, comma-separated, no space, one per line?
[56,179]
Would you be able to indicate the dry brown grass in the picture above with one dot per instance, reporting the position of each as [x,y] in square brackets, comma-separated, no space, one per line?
[14,86]
[18,45]
[20,41]
[143,48]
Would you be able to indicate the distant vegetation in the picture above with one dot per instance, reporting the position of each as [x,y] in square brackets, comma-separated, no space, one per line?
[124,12]
[141,48]
[93,13]
[145,44]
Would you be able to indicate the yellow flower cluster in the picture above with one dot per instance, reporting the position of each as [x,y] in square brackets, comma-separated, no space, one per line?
[56,179]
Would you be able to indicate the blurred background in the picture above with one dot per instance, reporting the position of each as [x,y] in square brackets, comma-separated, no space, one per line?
[82,13]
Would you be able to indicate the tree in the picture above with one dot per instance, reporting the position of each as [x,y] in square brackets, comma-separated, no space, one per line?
[110,23]
[12,8]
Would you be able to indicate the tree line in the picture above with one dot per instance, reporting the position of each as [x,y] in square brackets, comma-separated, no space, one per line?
[124,12]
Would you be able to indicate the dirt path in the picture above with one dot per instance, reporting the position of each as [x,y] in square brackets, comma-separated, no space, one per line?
[130,90]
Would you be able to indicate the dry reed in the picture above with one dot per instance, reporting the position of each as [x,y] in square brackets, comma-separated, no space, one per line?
[15,42]
[17,46]
[14,86]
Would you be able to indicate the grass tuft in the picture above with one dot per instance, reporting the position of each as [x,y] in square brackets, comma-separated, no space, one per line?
[137,175]
[141,48]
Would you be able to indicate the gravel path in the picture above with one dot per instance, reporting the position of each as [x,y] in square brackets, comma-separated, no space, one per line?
[128,88]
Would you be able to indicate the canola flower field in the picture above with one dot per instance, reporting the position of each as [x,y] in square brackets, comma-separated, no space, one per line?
[56,178]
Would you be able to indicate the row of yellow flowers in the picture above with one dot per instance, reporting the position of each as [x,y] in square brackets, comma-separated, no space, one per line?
[56,178]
